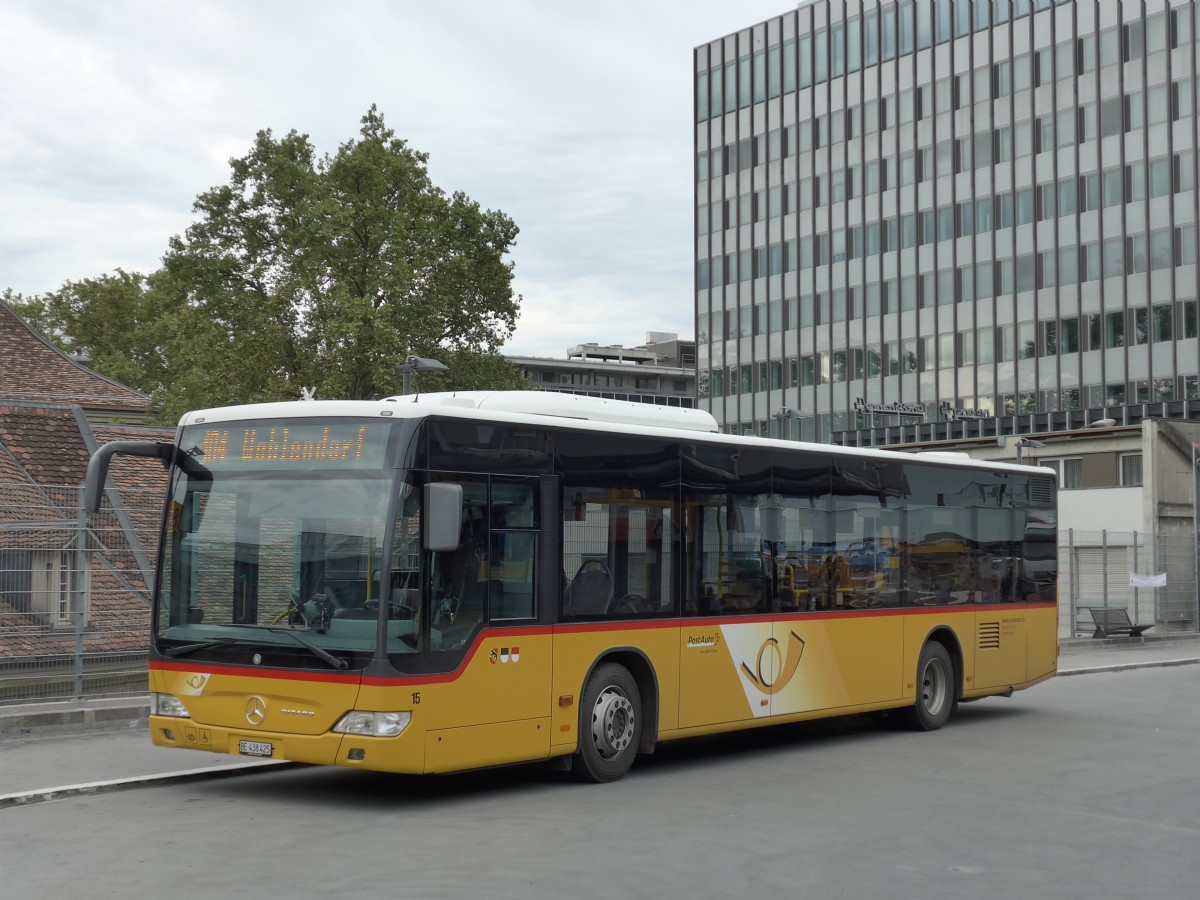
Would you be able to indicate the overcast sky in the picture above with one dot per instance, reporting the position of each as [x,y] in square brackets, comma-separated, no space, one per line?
[573,118]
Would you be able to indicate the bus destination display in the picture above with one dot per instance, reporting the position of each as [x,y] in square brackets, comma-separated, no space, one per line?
[275,445]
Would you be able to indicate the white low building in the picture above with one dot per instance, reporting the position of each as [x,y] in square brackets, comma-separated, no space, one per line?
[662,371]
[1126,516]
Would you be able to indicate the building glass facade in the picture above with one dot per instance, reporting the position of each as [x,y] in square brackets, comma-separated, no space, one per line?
[944,209]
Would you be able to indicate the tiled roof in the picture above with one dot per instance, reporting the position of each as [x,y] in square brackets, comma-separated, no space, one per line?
[33,369]
[18,493]
[46,440]
[119,621]
[48,445]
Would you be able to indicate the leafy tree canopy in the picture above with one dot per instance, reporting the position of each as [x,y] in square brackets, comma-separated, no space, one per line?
[306,271]
[117,320]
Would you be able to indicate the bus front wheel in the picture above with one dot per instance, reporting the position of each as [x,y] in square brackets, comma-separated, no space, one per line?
[935,689]
[611,724]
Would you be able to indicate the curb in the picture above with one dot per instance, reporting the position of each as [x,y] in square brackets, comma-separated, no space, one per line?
[1124,667]
[1088,644]
[23,724]
[42,795]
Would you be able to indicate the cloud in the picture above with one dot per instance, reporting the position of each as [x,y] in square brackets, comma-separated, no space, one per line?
[575,119]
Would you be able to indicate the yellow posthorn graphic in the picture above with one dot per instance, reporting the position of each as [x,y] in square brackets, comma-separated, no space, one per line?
[787,670]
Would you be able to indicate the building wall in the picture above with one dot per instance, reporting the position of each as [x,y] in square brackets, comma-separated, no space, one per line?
[1109,527]
[661,373]
[1170,476]
[990,205]
[1112,509]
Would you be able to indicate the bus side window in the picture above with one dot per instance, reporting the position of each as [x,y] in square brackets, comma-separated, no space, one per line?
[512,566]
[461,592]
[618,551]
[734,567]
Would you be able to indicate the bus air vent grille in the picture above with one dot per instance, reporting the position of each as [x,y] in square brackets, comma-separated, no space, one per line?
[989,635]
[1041,491]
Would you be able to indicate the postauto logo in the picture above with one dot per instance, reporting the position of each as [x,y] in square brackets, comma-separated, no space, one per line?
[772,659]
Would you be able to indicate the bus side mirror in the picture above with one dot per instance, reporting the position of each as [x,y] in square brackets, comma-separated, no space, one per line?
[97,471]
[442,521]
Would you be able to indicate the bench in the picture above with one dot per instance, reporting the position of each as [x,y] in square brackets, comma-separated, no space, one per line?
[1111,622]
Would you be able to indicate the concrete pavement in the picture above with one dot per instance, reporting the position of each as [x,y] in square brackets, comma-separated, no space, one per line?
[1083,656]
[51,750]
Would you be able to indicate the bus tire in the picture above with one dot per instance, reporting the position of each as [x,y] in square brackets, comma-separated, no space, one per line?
[936,692]
[610,725]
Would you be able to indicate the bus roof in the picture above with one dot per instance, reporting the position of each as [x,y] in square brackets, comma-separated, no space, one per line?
[574,406]
[533,408]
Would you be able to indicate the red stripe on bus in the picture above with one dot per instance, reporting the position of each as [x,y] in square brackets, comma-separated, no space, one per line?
[573,628]
[212,668]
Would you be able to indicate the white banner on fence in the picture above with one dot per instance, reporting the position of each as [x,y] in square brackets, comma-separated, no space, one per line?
[1147,581]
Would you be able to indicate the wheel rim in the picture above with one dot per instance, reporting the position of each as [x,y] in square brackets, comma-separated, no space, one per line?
[935,686]
[612,722]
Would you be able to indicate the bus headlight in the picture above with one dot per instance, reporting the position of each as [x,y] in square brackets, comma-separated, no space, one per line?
[373,724]
[168,705]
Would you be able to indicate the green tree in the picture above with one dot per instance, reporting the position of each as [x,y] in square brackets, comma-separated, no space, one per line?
[33,310]
[328,272]
[469,370]
[118,321]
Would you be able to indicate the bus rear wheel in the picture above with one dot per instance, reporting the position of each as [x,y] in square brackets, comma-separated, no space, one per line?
[610,725]
[935,689]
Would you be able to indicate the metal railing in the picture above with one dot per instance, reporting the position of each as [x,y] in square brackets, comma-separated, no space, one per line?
[74,593]
[1095,569]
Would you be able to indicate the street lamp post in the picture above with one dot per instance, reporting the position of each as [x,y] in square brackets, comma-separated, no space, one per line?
[786,414]
[1026,442]
[417,364]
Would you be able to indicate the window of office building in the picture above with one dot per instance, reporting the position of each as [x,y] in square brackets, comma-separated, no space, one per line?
[1047,271]
[1024,206]
[1088,124]
[1114,257]
[1049,338]
[1161,321]
[1131,470]
[1187,318]
[1070,471]
[1114,329]
[985,345]
[1113,188]
[1185,173]
[1067,196]
[1089,192]
[1139,330]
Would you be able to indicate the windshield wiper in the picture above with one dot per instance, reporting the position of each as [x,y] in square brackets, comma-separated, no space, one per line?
[200,645]
[336,661]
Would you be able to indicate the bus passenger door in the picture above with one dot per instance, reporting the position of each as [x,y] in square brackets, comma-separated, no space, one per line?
[833,549]
[727,631]
[495,708]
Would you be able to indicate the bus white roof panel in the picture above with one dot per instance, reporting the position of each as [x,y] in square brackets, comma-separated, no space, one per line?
[533,408]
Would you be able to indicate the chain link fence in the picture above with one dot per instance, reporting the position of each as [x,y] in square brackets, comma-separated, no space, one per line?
[1098,569]
[74,593]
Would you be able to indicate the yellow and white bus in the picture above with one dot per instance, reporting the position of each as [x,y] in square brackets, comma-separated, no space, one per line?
[450,581]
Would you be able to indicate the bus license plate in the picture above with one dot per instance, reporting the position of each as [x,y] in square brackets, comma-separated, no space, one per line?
[254,748]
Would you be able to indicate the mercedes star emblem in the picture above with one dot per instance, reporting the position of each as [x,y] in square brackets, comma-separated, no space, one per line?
[256,710]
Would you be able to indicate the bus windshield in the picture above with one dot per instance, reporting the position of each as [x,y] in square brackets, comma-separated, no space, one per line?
[274,542]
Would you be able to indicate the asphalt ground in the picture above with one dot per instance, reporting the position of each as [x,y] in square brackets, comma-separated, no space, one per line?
[54,750]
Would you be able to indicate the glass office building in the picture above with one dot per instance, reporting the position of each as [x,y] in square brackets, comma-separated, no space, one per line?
[927,218]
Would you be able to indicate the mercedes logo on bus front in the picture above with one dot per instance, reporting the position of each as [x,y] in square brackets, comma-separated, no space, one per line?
[256,710]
